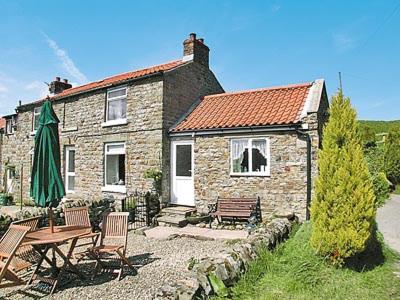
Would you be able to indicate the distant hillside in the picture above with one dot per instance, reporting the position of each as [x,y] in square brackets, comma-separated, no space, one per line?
[379,126]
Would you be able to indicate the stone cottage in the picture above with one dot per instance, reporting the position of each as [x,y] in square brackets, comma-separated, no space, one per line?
[175,117]
[251,143]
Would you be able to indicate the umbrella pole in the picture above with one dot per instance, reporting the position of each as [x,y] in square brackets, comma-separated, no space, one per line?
[51,220]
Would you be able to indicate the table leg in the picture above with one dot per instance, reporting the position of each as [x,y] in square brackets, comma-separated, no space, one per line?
[67,259]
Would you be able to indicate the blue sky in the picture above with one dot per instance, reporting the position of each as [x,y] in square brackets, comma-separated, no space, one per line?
[253,44]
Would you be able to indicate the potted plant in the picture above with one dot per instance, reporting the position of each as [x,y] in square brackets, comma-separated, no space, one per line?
[5,199]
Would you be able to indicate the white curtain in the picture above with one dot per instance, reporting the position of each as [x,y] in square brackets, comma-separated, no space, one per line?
[238,147]
[116,109]
[260,145]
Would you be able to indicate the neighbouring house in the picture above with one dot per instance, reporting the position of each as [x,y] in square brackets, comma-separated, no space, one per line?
[176,117]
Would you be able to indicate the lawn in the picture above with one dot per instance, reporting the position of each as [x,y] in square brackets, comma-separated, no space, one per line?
[293,271]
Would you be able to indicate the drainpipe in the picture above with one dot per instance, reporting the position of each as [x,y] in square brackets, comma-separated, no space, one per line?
[309,186]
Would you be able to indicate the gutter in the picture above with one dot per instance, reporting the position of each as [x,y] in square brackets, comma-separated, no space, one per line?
[307,136]
[250,129]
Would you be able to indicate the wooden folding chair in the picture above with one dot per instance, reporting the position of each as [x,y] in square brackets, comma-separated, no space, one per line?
[25,256]
[9,244]
[115,231]
[79,216]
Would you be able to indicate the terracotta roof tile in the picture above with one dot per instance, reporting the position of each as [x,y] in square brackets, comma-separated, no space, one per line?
[2,123]
[270,106]
[120,78]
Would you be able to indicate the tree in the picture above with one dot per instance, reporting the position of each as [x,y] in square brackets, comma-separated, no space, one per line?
[392,156]
[368,136]
[343,209]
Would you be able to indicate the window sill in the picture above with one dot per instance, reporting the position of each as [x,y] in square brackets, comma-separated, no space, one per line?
[32,133]
[250,175]
[114,123]
[114,189]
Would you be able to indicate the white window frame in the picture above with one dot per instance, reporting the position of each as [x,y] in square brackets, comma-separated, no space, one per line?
[10,123]
[121,121]
[267,171]
[67,173]
[35,115]
[110,187]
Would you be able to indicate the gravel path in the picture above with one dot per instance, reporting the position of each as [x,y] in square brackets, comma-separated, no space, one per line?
[388,219]
[158,262]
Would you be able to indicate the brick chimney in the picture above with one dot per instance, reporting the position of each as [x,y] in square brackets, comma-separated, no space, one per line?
[194,49]
[57,86]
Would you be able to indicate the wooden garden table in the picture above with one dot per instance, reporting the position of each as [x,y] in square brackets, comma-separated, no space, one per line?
[43,240]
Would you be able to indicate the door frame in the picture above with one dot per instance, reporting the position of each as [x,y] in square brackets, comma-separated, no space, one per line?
[173,169]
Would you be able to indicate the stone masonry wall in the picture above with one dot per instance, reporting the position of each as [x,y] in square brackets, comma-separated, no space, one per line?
[80,125]
[284,189]
[182,90]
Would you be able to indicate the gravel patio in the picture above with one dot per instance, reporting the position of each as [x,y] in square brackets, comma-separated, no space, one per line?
[158,262]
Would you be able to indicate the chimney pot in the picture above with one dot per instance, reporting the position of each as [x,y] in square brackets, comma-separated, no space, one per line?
[58,78]
[65,80]
[195,50]
[201,41]
[192,36]
[57,86]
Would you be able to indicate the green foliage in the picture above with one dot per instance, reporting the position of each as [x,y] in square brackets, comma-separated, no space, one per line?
[156,175]
[378,126]
[218,285]
[381,188]
[293,271]
[343,209]
[375,159]
[392,156]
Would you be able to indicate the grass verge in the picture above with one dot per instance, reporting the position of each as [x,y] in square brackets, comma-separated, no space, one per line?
[397,190]
[293,271]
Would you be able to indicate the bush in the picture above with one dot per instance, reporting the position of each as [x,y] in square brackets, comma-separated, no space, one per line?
[381,188]
[392,156]
[343,209]
[376,165]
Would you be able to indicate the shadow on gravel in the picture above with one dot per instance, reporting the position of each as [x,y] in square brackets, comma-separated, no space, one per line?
[71,280]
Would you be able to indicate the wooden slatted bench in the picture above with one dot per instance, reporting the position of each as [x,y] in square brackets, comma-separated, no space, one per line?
[235,209]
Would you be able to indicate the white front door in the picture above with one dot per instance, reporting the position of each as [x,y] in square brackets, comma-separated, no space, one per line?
[10,180]
[182,173]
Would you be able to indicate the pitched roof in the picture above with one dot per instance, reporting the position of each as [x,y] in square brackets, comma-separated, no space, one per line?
[2,123]
[270,106]
[116,79]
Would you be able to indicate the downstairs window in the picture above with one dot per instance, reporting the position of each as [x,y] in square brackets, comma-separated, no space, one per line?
[115,167]
[250,156]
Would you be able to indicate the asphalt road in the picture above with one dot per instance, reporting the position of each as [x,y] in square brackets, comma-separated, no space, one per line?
[388,219]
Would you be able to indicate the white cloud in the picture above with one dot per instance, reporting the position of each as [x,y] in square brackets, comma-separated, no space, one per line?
[343,42]
[67,63]
[37,87]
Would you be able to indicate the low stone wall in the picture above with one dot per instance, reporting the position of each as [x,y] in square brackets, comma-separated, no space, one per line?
[96,209]
[227,266]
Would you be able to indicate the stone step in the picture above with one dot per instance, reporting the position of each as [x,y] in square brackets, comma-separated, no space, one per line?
[178,211]
[177,221]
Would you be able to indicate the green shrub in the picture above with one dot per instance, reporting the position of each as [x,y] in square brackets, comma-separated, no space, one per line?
[343,209]
[392,156]
[381,188]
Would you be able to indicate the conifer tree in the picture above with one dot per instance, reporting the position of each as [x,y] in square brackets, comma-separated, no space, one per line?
[343,208]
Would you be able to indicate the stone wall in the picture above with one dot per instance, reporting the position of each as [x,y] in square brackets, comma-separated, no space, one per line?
[224,269]
[182,90]
[284,189]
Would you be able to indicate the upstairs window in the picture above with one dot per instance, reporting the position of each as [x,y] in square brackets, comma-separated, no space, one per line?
[250,156]
[36,115]
[116,105]
[10,125]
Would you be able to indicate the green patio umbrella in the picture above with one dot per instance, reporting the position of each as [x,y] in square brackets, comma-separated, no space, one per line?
[47,187]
